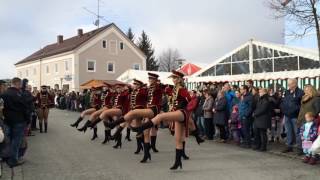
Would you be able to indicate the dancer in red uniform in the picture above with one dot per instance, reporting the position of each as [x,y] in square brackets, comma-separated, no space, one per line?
[178,115]
[95,103]
[138,100]
[152,109]
[44,101]
[119,108]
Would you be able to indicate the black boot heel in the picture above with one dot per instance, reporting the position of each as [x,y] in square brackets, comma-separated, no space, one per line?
[178,162]
[153,144]
[139,145]
[119,143]
[198,138]
[76,124]
[183,155]
[147,154]
[85,127]
[128,135]
[95,134]
[107,134]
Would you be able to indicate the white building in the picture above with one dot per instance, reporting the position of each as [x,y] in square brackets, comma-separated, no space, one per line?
[103,53]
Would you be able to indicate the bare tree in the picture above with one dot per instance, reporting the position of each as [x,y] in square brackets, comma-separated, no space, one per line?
[168,60]
[303,13]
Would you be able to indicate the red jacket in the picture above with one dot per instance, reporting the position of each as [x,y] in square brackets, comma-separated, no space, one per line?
[155,96]
[138,98]
[44,100]
[121,101]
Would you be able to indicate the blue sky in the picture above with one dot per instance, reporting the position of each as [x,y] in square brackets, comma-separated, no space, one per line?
[201,30]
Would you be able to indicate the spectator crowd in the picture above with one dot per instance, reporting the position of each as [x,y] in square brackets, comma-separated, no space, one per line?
[253,117]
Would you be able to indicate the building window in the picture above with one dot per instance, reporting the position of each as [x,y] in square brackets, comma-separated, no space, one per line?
[110,67]
[121,46]
[34,71]
[56,68]
[20,74]
[91,66]
[27,73]
[104,44]
[47,69]
[66,65]
[136,66]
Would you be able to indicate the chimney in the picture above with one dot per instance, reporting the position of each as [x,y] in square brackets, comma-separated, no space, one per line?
[80,32]
[59,39]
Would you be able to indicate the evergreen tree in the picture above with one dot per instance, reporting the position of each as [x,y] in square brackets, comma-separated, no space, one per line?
[130,34]
[145,45]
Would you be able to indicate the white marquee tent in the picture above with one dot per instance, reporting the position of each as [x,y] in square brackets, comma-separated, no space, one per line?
[264,63]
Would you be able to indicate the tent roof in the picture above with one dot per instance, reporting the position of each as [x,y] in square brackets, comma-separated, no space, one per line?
[130,74]
[295,51]
[189,69]
[98,83]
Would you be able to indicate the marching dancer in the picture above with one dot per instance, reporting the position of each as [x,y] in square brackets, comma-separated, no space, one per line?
[178,115]
[119,108]
[138,100]
[154,99]
[95,103]
[44,101]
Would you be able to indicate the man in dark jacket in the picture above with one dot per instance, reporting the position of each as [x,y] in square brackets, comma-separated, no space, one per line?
[290,107]
[245,111]
[199,114]
[14,113]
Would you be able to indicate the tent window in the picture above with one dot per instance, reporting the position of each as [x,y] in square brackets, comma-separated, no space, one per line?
[306,63]
[260,52]
[240,68]
[227,60]
[210,72]
[242,55]
[286,64]
[223,69]
[280,54]
[262,66]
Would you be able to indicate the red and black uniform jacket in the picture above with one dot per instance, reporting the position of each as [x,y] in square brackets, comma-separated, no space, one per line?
[108,99]
[96,101]
[44,100]
[155,96]
[138,98]
[121,101]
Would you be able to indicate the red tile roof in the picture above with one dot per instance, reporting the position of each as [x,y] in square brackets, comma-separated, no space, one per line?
[67,45]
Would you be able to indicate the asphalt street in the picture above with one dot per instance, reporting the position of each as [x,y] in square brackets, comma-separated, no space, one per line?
[66,154]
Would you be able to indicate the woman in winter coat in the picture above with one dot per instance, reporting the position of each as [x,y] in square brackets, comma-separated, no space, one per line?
[220,110]
[309,103]
[208,115]
[262,120]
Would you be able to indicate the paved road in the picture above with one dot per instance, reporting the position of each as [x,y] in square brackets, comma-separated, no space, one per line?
[66,154]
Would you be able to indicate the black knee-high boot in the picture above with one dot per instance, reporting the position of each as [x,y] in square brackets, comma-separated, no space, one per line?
[76,124]
[40,126]
[107,134]
[45,127]
[146,150]
[178,162]
[85,126]
[139,144]
[94,124]
[153,143]
[183,155]
[118,140]
[128,134]
[118,133]
[113,124]
[95,133]
[143,127]
[196,135]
